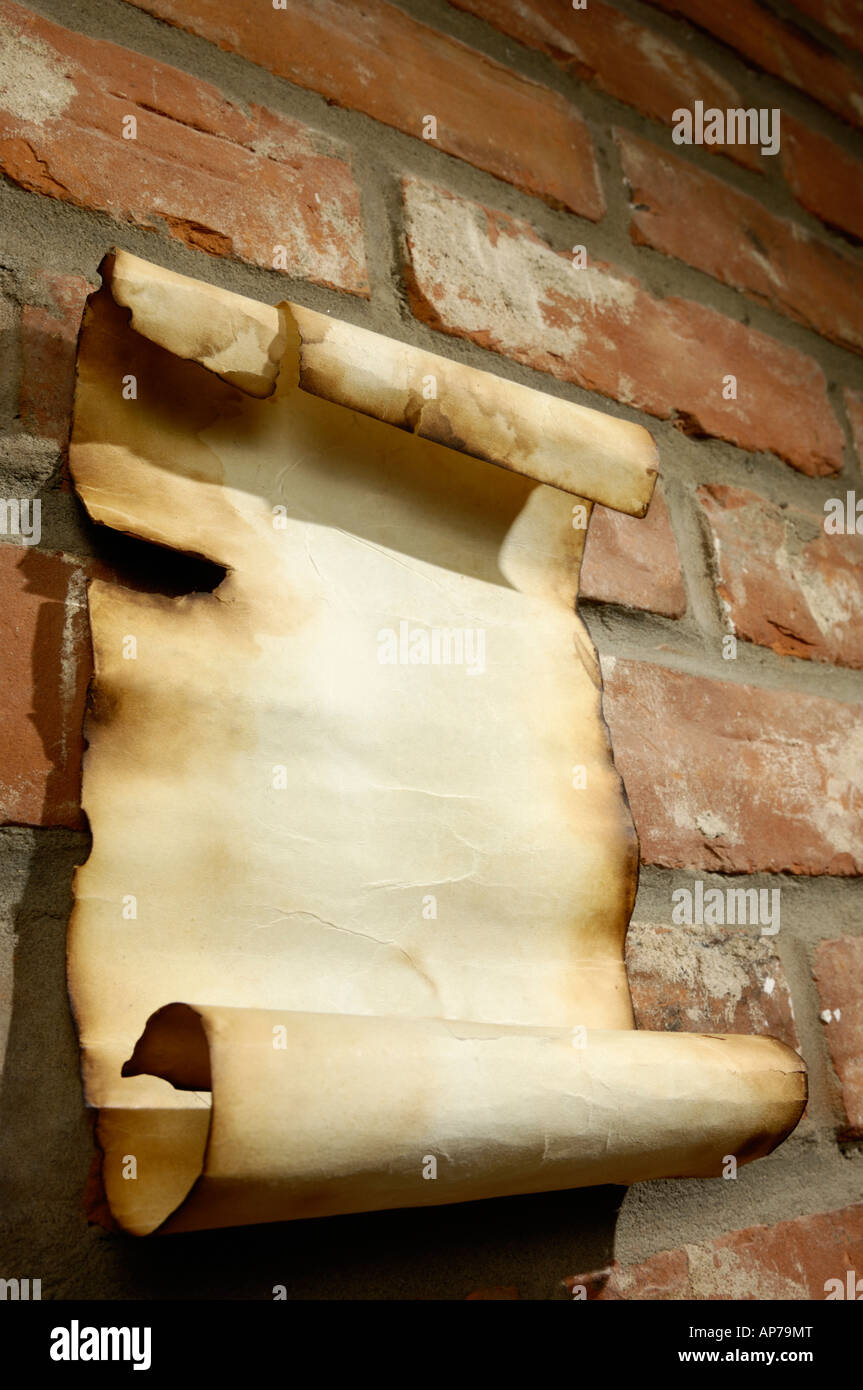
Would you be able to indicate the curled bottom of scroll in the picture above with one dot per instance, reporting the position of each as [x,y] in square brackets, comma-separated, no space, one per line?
[324,1114]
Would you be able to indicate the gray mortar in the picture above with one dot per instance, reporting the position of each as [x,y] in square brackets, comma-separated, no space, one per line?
[532,1242]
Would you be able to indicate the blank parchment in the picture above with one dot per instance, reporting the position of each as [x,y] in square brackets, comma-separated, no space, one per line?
[351,932]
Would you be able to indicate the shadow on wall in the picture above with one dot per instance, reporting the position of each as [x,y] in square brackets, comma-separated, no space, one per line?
[46,1145]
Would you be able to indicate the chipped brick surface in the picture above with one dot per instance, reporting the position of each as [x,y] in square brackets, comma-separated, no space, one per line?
[824,179]
[779,48]
[630,61]
[791,1260]
[839,977]
[684,212]
[200,168]
[487,276]
[788,585]
[734,777]
[693,979]
[43,683]
[633,561]
[49,336]
[377,59]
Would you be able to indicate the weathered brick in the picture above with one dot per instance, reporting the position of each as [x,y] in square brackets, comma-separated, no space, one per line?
[785,51]
[43,684]
[839,976]
[634,561]
[488,277]
[49,337]
[823,177]
[708,980]
[221,180]
[700,219]
[375,58]
[733,777]
[791,1260]
[788,584]
[841,17]
[607,49]
[854,406]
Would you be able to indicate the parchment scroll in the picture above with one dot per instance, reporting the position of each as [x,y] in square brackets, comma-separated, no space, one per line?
[351,932]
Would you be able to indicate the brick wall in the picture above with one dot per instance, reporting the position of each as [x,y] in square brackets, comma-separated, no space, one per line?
[730,621]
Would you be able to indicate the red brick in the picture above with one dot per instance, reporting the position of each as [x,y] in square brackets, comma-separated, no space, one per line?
[787,583]
[854,406]
[791,1260]
[43,684]
[839,976]
[634,561]
[823,178]
[700,219]
[733,777]
[785,51]
[375,58]
[844,18]
[605,48]
[49,338]
[488,277]
[708,980]
[221,180]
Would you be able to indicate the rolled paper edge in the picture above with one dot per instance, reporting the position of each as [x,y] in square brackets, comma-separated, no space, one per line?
[333,1123]
[577,449]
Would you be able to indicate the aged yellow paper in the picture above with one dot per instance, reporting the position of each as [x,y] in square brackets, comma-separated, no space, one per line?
[351,932]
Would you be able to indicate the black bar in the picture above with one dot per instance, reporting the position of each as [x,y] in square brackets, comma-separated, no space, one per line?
[242,1337]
